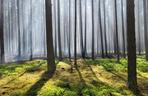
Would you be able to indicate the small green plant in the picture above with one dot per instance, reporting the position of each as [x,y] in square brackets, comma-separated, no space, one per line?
[64,84]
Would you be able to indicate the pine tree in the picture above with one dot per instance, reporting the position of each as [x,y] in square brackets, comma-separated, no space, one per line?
[145,28]
[116,32]
[59,32]
[132,74]
[49,36]
[1,33]
[93,39]
[101,32]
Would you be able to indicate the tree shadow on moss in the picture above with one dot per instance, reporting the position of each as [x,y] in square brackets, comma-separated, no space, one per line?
[28,70]
[92,71]
[39,84]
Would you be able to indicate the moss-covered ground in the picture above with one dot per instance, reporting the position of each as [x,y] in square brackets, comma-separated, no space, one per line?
[102,77]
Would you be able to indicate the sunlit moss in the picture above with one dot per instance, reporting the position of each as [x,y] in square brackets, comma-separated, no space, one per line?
[101,77]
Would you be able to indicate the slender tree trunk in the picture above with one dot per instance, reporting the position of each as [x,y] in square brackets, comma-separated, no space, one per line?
[69,44]
[65,24]
[93,39]
[101,32]
[75,36]
[123,30]
[55,14]
[85,30]
[105,35]
[31,50]
[24,29]
[49,36]
[81,28]
[132,73]
[1,33]
[59,32]
[115,44]
[117,40]
[145,28]
[69,37]
[19,39]
[139,36]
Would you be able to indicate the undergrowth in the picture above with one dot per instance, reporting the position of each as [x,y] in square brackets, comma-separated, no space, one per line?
[101,77]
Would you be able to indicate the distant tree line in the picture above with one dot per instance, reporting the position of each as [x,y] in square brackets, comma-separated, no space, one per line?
[130,33]
[131,41]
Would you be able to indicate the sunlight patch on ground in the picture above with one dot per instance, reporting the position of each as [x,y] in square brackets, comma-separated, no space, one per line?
[101,77]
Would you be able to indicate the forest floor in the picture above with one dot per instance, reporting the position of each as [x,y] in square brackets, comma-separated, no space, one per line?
[102,77]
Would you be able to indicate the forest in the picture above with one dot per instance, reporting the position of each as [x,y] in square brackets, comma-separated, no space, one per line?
[73,48]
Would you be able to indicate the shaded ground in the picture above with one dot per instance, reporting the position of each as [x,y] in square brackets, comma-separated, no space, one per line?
[102,77]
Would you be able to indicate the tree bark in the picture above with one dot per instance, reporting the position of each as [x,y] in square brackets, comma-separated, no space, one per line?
[145,28]
[75,36]
[138,27]
[1,33]
[49,36]
[59,33]
[116,31]
[85,30]
[55,14]
[19,39]
[93,39]
[69,41]
[101,32]
[81,28]
[132,73]
[105,35]
[31,25]
[123,30]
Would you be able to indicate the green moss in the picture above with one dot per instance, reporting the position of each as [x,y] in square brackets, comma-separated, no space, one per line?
[64,84]
[142,65]
[101,77]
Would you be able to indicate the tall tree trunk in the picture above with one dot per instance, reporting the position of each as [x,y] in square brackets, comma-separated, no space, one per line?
[123,30]
[138,22]
[105,35]
[132,73]
[19,36]
[69,37]
[75,36]
[117,40]
[93,39]
[24,29]
[49,36]
[55,14]
[59,32]
[101,32]
[145,28]
[69,41]
[30,23]
[65,24]
[1,32]
[85,30]
[81,28]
